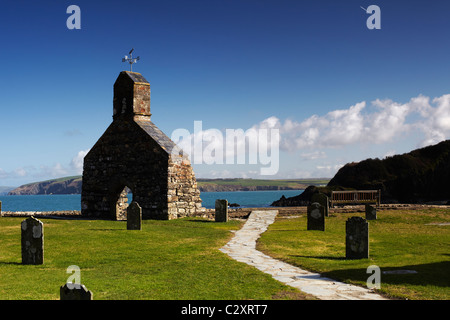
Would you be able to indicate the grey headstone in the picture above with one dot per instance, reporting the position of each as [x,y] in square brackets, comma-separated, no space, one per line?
[32,241]
[356,238]
[134,216]
[371,212]
[221,211]
[316,217]
[75,292]
[322,199]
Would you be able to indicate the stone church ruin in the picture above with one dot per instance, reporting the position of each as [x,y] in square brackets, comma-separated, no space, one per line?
[134,155]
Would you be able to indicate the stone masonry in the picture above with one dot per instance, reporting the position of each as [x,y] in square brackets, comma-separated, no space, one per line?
[134,153]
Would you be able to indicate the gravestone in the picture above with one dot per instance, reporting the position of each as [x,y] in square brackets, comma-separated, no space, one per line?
[356,238]
[371,212]
[322,199]
[221,211]
[0,208]
[316,217]
[75,292]
[134,216]
[32,241]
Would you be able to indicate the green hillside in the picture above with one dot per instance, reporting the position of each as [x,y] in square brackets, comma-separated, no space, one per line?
[72,185]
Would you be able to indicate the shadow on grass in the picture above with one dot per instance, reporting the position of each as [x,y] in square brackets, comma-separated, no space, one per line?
[429,274]
[11,263]
[106,229]
[319,257]
[195,220]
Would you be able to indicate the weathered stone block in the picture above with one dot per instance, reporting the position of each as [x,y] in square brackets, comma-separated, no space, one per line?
[322,199]
[75,292]
[32,241]
[356,238]
[371,212]
[134,216]
[221,210]
[316,217]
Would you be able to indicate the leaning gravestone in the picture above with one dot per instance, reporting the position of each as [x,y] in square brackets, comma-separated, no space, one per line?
[74,292]
[32,241]
[221,210]
[371,212]
[316,217]
[356,238]
[134,216]
[322,199]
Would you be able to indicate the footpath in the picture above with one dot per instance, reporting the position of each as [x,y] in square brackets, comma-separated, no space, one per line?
[242,247]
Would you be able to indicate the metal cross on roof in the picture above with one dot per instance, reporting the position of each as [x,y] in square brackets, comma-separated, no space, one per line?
[130,59]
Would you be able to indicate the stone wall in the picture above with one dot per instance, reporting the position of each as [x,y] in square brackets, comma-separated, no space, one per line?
[183,196]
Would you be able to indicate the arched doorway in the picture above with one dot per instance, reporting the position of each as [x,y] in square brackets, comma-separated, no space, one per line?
[119,203]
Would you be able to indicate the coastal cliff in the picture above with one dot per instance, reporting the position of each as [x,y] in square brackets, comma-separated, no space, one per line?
[419,176]
[68,185]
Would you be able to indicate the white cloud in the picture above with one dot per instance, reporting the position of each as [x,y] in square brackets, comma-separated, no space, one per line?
[313,155]
[258,145]
[436,124]
[390,153]
[326,170]
[385,122]
[388,122]
[54,171]
[21,172]
[77,162]
[28,174]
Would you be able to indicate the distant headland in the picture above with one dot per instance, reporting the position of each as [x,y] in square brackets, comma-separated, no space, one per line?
[420,176]
[72,185]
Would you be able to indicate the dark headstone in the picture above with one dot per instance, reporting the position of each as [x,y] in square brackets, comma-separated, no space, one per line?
[316,217]
[134,216]
[221,210]
[71,291]
[32,241]
[356,238]
[371,212]
[322,199]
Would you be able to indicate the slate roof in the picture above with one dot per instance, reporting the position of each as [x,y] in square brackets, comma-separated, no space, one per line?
[136,77]
[156,134]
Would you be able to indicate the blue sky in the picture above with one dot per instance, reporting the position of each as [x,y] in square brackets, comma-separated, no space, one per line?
[337,91]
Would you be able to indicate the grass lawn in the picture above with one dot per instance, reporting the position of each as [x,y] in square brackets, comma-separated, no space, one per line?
[177,259]
[398,240]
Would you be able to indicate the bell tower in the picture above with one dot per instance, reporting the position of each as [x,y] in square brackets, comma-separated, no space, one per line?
[131,96]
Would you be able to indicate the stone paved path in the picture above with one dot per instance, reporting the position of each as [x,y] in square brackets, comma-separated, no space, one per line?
[243,249]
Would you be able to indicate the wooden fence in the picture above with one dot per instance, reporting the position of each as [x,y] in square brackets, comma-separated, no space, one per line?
[356,197]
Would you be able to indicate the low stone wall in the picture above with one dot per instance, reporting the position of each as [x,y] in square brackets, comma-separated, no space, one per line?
[68,213]
[239,213]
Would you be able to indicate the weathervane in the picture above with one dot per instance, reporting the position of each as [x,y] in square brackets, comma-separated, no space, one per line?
[130,60]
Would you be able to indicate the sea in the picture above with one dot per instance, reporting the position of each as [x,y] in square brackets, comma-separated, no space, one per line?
[63,202]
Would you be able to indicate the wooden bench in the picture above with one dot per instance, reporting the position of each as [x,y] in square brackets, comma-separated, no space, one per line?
[356,197]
